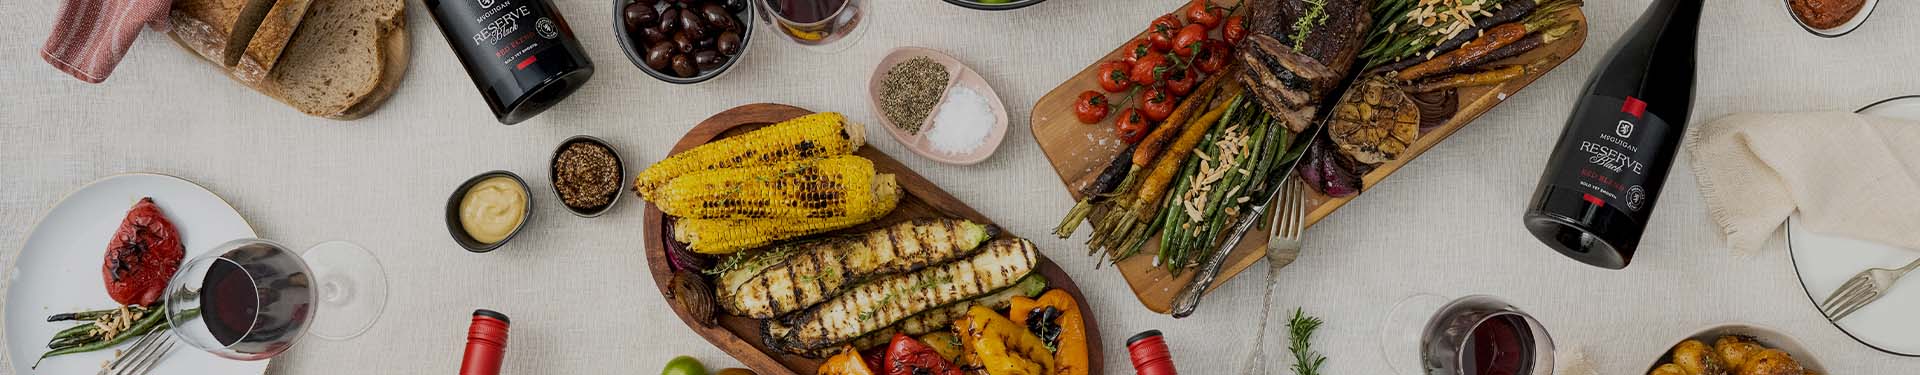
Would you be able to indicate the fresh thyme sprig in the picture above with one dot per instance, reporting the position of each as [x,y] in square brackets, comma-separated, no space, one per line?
[1306,361]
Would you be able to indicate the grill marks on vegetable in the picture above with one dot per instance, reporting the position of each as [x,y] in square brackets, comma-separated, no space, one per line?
[882,302]
[910,91]
[788,278]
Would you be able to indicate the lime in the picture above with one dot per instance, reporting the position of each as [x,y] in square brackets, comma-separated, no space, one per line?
[684,365]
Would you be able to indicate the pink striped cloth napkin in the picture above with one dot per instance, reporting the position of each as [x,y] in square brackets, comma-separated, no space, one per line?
[92,35]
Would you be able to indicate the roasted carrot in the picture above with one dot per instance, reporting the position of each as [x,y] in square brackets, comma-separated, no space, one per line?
[1492,76]
[1157,140]
[1486,43]
[1155,186]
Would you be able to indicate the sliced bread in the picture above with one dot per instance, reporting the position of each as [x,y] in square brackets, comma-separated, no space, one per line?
[204,26]
[346,58]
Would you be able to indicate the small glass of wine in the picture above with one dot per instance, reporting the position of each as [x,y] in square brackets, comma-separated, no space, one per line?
[827,26]
[251,299]
[1473,335]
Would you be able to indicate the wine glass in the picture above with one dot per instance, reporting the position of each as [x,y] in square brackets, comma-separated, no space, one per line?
[827,26]
[1474,335]
[251,299]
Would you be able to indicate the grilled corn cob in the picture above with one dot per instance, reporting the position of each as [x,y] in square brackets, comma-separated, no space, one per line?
[727,236]
[877,304]
[762,284]
[841,186]
[812,136]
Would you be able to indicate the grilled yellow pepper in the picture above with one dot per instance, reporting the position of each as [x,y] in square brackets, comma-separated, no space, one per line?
[848,362]
[1005,348]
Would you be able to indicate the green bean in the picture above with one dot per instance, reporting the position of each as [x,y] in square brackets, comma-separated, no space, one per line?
[145,325]
[83,315]
[87,329]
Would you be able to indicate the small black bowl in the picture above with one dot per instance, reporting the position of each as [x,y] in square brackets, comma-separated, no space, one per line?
[1011,5]
[637,54]
[453,213]
[618,163]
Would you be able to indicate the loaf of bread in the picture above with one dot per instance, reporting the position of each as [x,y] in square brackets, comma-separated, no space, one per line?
[341,61]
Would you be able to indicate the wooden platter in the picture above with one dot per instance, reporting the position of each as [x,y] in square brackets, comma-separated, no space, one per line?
[1079,151]
[740,336]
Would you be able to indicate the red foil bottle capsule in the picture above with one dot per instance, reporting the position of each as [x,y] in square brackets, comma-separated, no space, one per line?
[486,343]
[1149,353]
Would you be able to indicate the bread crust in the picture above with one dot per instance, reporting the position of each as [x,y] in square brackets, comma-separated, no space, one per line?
[391,51]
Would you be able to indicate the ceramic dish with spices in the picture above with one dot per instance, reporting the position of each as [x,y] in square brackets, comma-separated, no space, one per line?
[1830,18]
[586,175]
[488,210]
[936,106]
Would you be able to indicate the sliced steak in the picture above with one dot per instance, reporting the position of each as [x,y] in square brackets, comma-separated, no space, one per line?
[1285,78]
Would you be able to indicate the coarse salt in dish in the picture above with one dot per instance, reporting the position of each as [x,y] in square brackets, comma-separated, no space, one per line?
[962,123]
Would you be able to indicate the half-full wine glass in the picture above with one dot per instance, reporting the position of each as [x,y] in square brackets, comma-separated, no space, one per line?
[251,299]
[821,25]
[1473,335]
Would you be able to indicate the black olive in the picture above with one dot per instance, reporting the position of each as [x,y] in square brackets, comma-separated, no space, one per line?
[694,24]
[639,16]
[652,34]
[647,3]
[683,42]
[670,20]
[659,55]
[719,17]
[704,44]
[683,66]
[736,5]
[728,43]
[709,59]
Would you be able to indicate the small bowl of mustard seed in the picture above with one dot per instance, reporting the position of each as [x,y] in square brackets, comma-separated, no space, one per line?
[587,175]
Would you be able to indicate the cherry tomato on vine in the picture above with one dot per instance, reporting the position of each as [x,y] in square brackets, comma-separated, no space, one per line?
[1181,82]
[1190,39]
[1157,104]
[1160,32]
[1130,126]
[1203,12]
[1115,76]
[1214,57]
[1132,51]
[1091,107]
[1147,71]
[1235,29]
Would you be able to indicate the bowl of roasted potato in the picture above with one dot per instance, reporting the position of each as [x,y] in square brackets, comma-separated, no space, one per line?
[1737,349]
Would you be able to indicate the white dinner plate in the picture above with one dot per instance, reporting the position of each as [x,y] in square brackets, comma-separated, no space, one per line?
[1824,262]
[58,270]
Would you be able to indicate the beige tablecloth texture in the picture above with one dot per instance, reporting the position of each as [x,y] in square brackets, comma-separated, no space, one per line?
[581,299]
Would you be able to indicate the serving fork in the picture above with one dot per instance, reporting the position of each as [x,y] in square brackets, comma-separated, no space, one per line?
[146,352]
[1283,246]
[1862,289]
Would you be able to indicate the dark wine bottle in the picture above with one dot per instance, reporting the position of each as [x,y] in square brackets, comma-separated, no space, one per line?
[1605,174]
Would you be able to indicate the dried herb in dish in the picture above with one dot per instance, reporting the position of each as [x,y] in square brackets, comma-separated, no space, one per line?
[910,91]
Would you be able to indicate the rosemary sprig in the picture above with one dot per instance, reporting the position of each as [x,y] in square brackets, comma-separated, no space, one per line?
[1316,16]
[1306,361]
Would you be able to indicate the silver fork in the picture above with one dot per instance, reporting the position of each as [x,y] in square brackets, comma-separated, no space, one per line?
[140,358]
[1283,246]
[1862,289]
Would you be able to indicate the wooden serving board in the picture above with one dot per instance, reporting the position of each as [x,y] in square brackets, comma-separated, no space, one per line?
[1079,151]
[740,336]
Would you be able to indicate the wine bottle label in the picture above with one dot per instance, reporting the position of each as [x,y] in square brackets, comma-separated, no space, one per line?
[511,32]
[1615,143]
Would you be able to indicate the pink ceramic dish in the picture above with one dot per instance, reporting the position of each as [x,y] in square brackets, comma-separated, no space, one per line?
[959,75]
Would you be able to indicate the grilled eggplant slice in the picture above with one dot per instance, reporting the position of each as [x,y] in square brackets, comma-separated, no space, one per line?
[882,302]
[941,318]
[788,278]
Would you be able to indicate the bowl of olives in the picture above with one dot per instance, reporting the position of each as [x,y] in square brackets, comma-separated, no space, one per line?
[683,41]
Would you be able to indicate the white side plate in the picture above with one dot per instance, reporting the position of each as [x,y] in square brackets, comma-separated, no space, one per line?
[58,270]
[1824,262]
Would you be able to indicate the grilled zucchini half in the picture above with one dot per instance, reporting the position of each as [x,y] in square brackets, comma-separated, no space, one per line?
[883,302]
[784,279]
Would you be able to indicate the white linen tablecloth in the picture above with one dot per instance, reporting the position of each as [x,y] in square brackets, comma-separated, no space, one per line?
[582,301]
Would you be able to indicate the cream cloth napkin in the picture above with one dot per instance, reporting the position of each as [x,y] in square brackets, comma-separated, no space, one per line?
[1847,174]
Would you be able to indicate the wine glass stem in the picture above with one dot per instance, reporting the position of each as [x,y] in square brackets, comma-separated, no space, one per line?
[1255,359]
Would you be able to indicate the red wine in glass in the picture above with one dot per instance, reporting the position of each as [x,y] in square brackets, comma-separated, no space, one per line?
[824,25]
[251,299]
[1473,335]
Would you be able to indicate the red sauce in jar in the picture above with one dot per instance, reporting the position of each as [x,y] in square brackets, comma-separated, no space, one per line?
[1825,14]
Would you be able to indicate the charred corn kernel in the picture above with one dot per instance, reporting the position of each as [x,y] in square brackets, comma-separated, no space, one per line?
[812,136]
[726,236]
[821,188]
